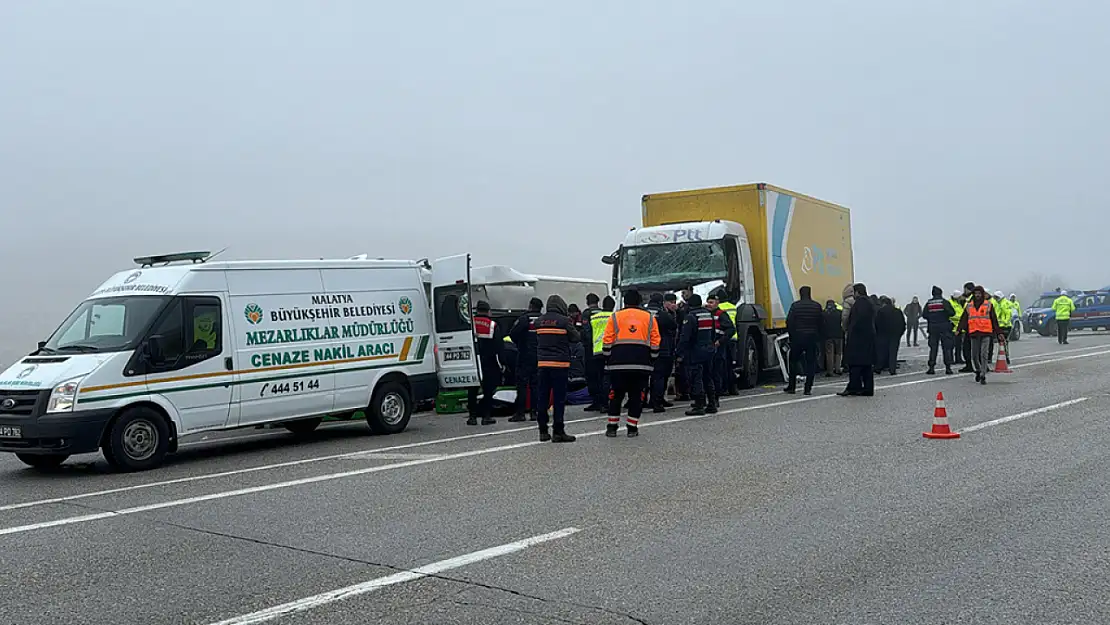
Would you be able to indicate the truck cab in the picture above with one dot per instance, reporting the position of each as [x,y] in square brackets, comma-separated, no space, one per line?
[703,256]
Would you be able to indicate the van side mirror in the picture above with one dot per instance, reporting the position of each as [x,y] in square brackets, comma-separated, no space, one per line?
[152,349]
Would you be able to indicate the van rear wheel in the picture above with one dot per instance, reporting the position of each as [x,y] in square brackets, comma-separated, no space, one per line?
[390,408]
[138,440]
[43,462]
[303,427]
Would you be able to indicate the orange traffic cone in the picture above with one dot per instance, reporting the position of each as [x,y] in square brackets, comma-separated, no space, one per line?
[1002,363]
[940,422]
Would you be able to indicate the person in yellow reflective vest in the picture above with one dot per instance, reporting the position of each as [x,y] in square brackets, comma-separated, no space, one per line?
[597,379]
[1004,312]
[1063,306]
[731,348]
[957,348]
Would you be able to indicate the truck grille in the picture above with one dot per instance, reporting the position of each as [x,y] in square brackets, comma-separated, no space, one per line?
[19,403]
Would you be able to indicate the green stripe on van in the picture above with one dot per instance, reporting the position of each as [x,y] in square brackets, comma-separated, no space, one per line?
[273,378]
[423,347]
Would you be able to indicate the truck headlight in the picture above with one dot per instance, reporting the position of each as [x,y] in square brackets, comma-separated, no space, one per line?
[64,396]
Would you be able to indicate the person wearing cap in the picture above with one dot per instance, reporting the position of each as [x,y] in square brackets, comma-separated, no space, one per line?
[489,352]
[695,353]
[1063,306]
[938,314]
[979,323]
[722,365]
[523,335]
[1015,307]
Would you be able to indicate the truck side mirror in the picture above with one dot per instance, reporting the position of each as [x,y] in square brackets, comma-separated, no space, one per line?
[611,259]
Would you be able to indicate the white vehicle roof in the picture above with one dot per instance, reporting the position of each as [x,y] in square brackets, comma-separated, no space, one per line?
[683,233]
[166,280]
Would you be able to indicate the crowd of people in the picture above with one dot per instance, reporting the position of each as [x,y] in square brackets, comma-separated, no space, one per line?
[628,358]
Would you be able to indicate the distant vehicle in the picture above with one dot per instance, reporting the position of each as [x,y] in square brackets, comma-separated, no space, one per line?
[158,352]
[1092,311]
[758,242]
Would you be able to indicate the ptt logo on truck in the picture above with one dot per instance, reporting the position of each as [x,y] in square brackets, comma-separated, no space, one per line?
[821,260]
[674,236]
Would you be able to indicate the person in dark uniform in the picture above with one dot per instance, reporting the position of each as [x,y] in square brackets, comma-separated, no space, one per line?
[695,353]
[595,362]
[664,363]
[938,313]
[523,335]
[859,348]
[554,334]
[489,351]
[681,385]
[721,366]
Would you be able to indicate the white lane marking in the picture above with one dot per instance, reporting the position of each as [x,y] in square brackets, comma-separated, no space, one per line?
[451,439]
[1022,415]
[434,568]
[412,463]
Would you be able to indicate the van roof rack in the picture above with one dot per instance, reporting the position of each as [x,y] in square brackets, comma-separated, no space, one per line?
[165,259]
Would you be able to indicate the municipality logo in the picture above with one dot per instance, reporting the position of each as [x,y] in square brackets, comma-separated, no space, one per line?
[405,304]
[253,313]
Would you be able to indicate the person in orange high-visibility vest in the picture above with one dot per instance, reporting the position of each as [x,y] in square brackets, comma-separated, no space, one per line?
[630,346]
[980,324]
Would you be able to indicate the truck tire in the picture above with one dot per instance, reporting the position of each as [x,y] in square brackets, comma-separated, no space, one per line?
[303,427]
[43,462]
[390,408]
[138,440]
[749,360]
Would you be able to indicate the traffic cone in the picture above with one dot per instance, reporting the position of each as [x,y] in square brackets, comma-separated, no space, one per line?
[940,422]
[1002,363]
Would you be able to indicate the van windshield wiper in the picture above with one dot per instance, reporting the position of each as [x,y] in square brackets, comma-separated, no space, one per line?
[77,347]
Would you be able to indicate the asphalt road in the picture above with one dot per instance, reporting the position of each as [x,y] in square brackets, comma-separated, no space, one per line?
[780,509]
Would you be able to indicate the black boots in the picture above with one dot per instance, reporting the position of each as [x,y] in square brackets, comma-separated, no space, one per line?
[517,418]
[611,430]
[694,411]
[633,431]
[560,436]
[790,390]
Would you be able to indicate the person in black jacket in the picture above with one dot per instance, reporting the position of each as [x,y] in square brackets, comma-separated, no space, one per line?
[834,339]
[695,352]
[664,364]
[554,334]
[859,349]
[523,335]
[722,365]
[938,313]
[489,351]
[805,324]
[890,325]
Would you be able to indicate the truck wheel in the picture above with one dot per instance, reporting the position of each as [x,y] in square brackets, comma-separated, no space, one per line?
[749,375]
[137,441]
[43,461]
[390,408]
[303,427]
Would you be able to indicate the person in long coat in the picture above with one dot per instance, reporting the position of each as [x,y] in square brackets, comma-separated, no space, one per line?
[859,345]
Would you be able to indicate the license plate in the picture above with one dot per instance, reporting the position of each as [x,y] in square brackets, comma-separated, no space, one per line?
[11,431]
[455,355]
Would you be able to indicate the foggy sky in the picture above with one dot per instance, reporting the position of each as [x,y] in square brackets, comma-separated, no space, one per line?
[968,138]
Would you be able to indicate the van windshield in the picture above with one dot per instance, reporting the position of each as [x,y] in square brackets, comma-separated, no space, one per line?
[110,324]
[673,265]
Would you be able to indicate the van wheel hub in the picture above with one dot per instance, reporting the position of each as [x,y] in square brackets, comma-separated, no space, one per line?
[393,408]
[140,440]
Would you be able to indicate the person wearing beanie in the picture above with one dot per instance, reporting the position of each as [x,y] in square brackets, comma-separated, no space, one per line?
[554,334]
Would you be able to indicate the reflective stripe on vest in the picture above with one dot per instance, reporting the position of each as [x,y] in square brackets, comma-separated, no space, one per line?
[484,327]
[979,319]
[632,339]
[598,322]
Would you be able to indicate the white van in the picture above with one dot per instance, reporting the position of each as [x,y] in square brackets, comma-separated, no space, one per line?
[163,351]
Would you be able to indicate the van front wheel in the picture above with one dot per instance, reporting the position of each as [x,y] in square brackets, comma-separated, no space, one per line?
[390,408]
[138,440]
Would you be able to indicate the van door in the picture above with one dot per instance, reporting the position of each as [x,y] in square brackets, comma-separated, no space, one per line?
[189,361]
[455,348]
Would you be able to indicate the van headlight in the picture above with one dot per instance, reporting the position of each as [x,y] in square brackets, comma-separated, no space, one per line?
[64,396]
